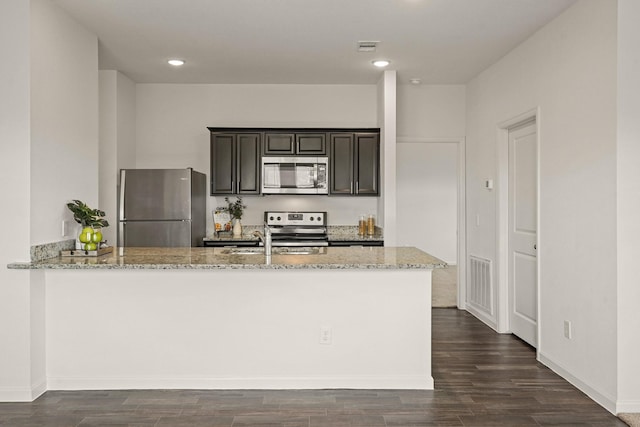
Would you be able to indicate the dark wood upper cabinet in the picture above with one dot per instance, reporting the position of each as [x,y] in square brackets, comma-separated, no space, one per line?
[248,163]
[366,164]
[354,157]
[355,160]
[311,144]
[279,144]
[301,144]
[223,168]
[235,163]
[341,167]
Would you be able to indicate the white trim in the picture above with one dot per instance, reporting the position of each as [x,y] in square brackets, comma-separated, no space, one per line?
[413,382]
[461,261]
[419,140]
[502,218]
[22,394]
[482,316]
[607,402]
[627,406]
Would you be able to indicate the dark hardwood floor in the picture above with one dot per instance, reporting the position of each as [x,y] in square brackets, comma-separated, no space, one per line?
[482,379]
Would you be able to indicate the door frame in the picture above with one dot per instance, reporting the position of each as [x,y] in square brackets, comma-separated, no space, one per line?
[461,263]
[502,219]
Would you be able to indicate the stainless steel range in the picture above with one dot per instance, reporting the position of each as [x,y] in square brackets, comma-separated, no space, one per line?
[297,228]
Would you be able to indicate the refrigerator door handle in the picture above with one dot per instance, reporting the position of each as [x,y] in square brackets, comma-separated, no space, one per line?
[121,234]
[122,187]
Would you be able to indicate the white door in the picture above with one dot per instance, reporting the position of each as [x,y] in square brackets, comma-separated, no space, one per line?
[523,293]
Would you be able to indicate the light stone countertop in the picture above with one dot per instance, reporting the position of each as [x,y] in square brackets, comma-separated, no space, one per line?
[335,233]
[215,259]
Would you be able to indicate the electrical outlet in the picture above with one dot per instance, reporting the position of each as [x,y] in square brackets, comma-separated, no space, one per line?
[568,332]
[65,228]
[477,220]
[325,335]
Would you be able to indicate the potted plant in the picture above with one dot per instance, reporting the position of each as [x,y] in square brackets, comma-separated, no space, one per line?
[92,221]
[236,209]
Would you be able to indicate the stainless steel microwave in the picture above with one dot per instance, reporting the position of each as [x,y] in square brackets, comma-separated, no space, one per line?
[295,175]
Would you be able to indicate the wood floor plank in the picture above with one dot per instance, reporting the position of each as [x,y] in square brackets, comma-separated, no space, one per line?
[481,379]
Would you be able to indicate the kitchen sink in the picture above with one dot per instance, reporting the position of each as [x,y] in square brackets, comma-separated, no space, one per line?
[274,251]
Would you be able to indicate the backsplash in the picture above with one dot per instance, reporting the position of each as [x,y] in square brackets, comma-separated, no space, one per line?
[51,250]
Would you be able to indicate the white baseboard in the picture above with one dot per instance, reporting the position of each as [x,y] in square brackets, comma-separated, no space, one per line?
[482,316]
[22,394]
[607,402]
[628,406]
[392,382]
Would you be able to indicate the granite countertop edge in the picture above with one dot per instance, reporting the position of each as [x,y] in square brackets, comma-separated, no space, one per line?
[338,258]
[48,266]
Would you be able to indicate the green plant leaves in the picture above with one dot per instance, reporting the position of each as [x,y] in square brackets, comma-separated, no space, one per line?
[236,208]
[86,216]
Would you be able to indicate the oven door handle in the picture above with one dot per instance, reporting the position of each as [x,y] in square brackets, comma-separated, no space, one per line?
[299,243]
[320,230]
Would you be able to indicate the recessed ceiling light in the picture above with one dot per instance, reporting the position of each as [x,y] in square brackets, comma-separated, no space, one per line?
[176,62]
[381,63]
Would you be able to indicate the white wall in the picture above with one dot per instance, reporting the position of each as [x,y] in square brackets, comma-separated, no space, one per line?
[427,167]
[238,329]
[568,70]
[431,111]
[628,205]
[49,155]
[172,123]
[427,198]
[64,119]
[15,369]
[117,141]
[387,203]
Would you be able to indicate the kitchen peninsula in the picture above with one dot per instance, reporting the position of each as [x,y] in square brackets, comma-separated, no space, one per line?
[355,317]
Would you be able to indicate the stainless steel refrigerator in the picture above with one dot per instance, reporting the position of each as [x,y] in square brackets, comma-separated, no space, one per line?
[161,208]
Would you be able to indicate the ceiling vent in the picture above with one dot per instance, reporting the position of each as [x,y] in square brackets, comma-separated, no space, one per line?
[367,46]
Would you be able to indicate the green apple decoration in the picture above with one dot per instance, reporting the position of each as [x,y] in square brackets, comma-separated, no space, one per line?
[91,220]
[97,236]
[86,235]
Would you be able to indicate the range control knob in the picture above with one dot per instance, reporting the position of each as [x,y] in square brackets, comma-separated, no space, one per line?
[319,219]
[279,218]
[271,218]
[311,219]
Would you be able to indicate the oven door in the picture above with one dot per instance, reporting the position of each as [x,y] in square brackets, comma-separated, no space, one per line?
[292,236]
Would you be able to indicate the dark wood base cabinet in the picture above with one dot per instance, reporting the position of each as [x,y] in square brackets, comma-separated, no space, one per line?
[356,243]
[231,243]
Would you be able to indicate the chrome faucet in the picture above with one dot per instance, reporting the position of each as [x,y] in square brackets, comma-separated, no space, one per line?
[265,238]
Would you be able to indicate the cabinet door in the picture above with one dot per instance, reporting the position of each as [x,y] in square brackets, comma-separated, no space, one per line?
[341,147]
[223,166]
[367,154]
[311,144]
[279,144]
[248,164]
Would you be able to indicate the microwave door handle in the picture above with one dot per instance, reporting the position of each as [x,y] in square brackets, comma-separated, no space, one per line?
[315,176]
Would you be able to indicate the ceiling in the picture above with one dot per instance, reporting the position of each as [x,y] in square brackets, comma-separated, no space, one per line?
[307,41]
